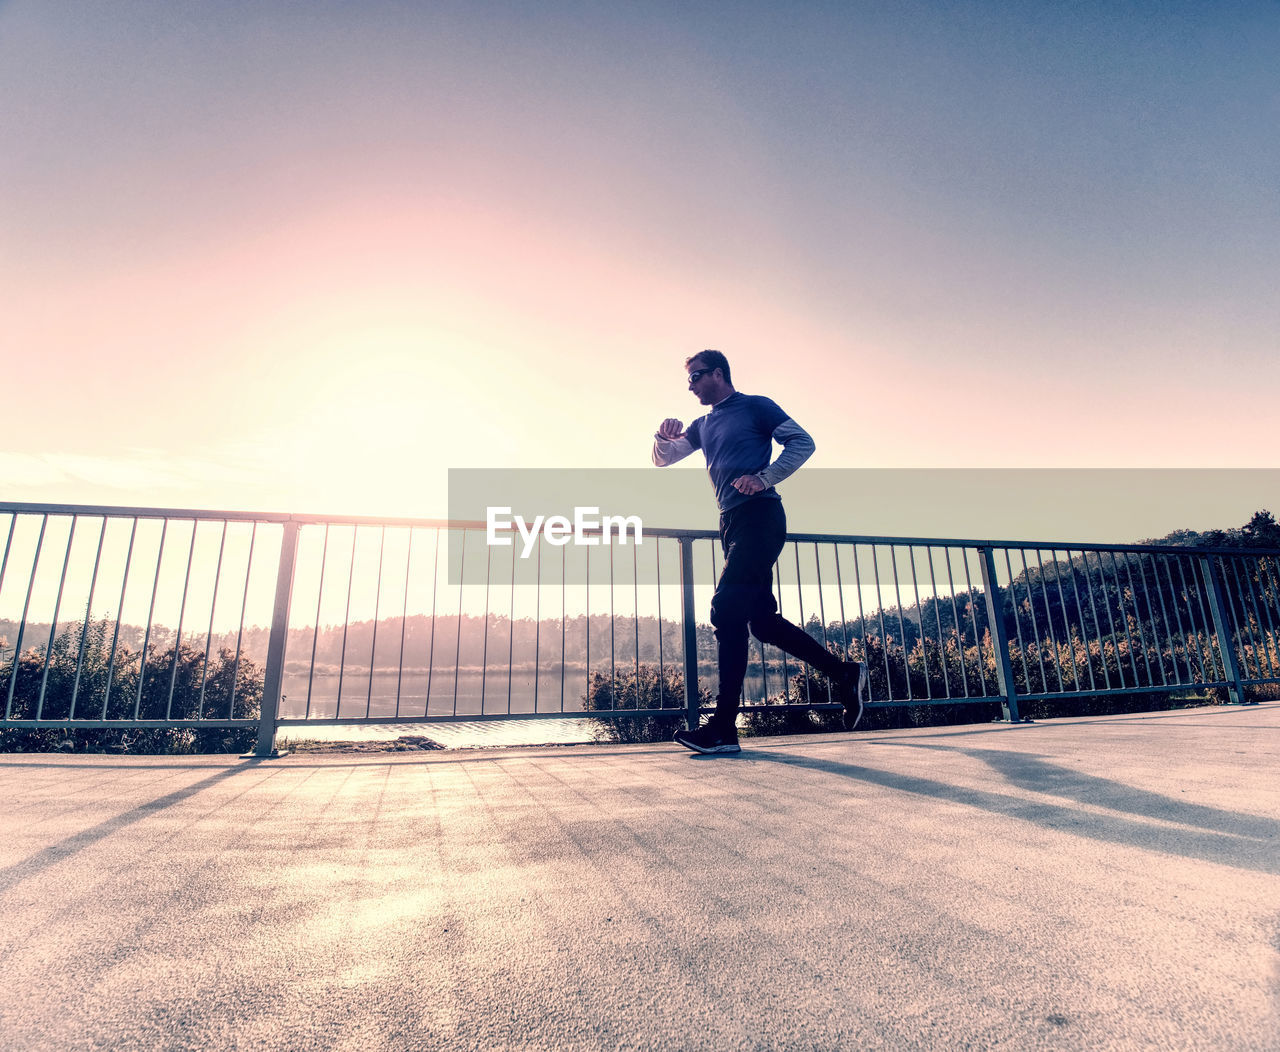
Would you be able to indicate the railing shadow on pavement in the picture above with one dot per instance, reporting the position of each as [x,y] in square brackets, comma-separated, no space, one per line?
[13,875]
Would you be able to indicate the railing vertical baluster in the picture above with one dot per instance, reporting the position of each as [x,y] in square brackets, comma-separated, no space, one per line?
[1164,614]
[377,609]
[457,649]
[822,613]
[635,606]
[404,618]
[808,690]
[822,606]
[22,626]
[1048,617]
[431,645]
[902,621]
[244,606]
[315,635]
[924,644]
[715,583]
[690,633]
[1097,621]
[1238,569]
[1035,625]
[1222,628]
[995,621]
[786,672]
[511,629]
[1066,621]
[1124,617]
[1084,640]
[1201,585]
[4,570]
[53,627]
[115,635]
[937,617]
[613,642]
[586,599]
[537,627]
[862,617]
[1266,591]
[213,609]
[151,616]
[484,649]
[88,616]
[564,612]
[1176,602]
[273,673]
[1137,616]
[182,610]
[4,563]
[884,635]
[955,620]
[973,620]
[1017,620]
[844,622]
[662,672]
[1151,614]
[346,620]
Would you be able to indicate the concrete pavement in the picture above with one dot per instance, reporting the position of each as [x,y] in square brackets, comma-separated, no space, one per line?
[1111,882]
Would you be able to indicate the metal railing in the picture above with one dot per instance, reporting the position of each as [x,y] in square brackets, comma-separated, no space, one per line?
[136,617]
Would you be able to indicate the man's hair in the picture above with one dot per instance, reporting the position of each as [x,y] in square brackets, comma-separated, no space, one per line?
[714,360]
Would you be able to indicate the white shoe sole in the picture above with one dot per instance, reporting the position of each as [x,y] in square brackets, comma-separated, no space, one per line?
[863,683]
[709,750]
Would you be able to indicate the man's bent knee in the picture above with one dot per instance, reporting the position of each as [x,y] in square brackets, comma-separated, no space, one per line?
[767,629]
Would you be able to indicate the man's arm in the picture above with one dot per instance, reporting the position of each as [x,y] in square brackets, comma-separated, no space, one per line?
[670,443]
[797,447]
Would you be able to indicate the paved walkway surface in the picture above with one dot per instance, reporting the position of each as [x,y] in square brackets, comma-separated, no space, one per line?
[1099,883]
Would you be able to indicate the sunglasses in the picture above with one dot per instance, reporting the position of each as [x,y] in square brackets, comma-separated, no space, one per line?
[698,374]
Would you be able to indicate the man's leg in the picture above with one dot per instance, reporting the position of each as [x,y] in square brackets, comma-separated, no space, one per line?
[848,678]
[729,619]
[753,536]
[750,551]
[775,629]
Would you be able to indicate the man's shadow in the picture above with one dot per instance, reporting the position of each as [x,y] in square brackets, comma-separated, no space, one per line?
[1231,838]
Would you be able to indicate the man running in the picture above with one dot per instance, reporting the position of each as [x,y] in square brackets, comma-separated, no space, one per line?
[737,437]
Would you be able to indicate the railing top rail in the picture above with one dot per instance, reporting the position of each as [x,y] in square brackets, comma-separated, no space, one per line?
[109,511]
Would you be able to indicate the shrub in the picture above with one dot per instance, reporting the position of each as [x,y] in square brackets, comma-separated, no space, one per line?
[645,687]
[173,683]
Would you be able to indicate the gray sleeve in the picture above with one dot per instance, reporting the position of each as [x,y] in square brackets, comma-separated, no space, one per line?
[668,451]
[797,447]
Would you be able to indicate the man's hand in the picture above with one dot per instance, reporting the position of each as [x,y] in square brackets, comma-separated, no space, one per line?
[748,485]
[670,429]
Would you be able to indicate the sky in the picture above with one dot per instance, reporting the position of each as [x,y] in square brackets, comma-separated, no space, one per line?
[310,257]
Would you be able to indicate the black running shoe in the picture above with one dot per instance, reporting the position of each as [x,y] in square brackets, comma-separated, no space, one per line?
[711,737]
[853,692]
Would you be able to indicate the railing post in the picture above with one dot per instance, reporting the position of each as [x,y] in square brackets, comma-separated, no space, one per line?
[1222,628]
[273,678]
[690,625]
[995,622]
